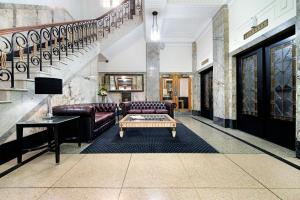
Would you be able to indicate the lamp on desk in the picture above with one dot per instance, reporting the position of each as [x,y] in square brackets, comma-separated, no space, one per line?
[50,86]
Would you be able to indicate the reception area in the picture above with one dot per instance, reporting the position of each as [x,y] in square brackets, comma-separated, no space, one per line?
[148,99]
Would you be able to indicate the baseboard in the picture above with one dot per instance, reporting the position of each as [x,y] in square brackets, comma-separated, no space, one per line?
[196,112]
[8,150]
[298,149]
[227,123]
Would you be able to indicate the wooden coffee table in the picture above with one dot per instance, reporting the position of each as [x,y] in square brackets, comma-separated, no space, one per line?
[147,121]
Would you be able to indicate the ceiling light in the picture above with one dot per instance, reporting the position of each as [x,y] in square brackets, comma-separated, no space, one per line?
[155,35]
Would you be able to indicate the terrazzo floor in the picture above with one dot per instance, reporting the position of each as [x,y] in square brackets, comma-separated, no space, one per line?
[238,172]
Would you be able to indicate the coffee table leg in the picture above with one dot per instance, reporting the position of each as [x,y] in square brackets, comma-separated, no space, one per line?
[121,132]
[174,132]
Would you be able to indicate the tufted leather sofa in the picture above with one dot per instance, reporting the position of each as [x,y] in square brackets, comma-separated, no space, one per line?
[94,118]
[148,107]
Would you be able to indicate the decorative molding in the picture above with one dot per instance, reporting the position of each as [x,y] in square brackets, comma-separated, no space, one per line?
[265,36]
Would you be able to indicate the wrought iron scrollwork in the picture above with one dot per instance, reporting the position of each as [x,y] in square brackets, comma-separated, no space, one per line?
[46,45]
[5,50]
[63,33]
[55,41]
[34,51]
[35,46]
[21,53]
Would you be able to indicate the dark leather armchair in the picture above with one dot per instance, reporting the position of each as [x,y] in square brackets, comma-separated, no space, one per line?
[94,118]
[148,107]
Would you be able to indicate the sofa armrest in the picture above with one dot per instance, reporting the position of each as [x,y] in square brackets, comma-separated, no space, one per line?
[80,110]
[87,118]
[170,107]
[125,106]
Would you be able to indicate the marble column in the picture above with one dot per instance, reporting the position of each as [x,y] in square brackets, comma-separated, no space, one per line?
[152,73]
[196,82]
[298,82]
[221,66]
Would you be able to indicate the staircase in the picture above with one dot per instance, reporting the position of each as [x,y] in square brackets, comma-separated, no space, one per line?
[54,50]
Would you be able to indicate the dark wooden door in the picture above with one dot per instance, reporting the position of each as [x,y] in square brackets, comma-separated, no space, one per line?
[250,86]
[281,92]
[207,93]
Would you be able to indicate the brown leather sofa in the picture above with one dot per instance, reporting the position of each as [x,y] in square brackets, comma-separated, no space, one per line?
[148,107]
[94,118]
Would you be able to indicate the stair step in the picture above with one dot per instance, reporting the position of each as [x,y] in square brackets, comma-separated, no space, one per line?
[5,102]
[32,75]
[13,90]
[21,83]
[6,93]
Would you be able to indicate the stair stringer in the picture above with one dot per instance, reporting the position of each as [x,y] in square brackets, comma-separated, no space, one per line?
[26,105]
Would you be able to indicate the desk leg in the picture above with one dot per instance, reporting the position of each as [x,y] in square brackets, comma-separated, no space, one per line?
[20,143]
[79,132]
[57,145]
[49,135]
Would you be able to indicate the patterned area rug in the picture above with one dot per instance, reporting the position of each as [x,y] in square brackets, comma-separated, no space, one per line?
[150,140]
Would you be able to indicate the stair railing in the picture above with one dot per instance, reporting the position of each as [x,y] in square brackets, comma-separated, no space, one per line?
[25,48]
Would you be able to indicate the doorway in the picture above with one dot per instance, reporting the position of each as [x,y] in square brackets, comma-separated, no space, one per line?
[266,84]
[207,93]
[176,88]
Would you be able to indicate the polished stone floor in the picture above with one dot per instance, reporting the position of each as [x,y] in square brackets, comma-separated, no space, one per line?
[238,172]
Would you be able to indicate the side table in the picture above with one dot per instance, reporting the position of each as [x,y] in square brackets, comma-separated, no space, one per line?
[52,126]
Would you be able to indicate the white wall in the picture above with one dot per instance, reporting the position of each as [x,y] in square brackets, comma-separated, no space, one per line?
[72,6]
[79,9]
[241,11]
[92,9]
[176,57]
[205,47]
[126,55]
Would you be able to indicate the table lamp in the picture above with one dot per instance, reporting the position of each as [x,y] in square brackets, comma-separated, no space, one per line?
[50,86]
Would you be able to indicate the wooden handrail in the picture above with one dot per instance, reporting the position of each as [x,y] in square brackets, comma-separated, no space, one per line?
[27,28]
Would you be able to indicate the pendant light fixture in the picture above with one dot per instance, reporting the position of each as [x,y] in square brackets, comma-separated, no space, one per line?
[155,35]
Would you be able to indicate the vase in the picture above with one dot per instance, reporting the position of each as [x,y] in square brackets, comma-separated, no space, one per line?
[103,99]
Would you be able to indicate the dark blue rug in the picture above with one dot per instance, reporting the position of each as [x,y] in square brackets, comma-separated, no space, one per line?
[149,140]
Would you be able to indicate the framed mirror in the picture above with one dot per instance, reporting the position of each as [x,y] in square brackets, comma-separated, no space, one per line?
[125,82]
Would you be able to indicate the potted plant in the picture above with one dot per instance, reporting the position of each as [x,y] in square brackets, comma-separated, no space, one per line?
[103,93]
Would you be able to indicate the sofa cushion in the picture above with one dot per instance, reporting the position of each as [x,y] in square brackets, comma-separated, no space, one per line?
[102,117]
[148,111]
[135,111]
[161,111]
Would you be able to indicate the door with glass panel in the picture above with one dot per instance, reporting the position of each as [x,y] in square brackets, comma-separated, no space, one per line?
[281,92]
[250,114]
[207,93]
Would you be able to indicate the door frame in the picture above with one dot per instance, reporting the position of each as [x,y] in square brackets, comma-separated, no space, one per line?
[277,124]
[206,113]
[250,123]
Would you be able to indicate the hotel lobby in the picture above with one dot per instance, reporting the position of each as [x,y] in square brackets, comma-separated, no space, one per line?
[149,99]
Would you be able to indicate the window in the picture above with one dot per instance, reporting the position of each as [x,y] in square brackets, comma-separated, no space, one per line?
[110,3]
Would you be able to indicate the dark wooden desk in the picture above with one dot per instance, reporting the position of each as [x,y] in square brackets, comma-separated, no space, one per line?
[52,126]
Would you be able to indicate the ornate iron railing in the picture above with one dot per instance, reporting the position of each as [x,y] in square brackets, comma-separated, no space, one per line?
[23,48]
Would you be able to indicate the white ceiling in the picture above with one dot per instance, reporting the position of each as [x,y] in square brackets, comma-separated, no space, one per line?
[180,20]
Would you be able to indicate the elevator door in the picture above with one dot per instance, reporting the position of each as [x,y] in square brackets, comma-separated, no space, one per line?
[250,84]
[207,93]
[281,92]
